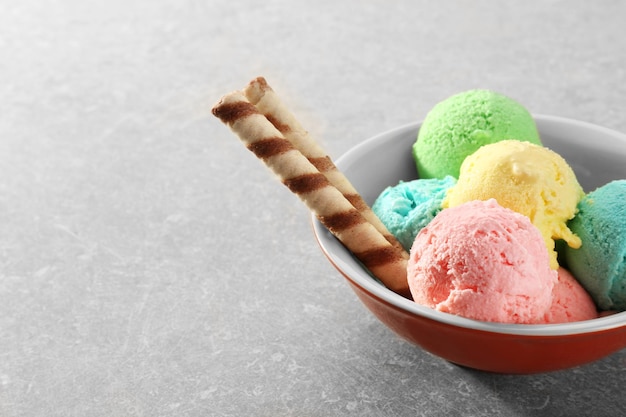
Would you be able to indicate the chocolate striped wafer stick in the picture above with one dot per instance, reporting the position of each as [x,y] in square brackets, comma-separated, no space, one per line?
[259,93]
[328,204]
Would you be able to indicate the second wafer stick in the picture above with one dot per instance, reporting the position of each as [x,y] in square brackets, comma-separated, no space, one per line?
[261,94]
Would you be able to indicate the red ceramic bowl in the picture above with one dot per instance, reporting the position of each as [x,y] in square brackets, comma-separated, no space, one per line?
[596,154]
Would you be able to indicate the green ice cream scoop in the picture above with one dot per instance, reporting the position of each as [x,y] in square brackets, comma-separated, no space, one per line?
[457,126]
[600,262]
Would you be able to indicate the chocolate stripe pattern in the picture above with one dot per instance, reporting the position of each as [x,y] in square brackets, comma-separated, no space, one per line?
[313,188]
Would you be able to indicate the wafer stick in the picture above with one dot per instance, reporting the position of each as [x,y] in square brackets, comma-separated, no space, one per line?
[327,203]
[261,94]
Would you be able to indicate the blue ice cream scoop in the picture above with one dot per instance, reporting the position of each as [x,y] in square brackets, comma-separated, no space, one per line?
[409,206]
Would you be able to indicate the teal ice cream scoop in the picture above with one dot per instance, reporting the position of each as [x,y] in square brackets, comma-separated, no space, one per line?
[600,263]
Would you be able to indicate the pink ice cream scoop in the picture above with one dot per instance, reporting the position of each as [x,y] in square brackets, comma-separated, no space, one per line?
[570,301]
[484,262]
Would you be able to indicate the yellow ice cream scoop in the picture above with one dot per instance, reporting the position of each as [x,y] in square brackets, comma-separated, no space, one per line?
[529,179]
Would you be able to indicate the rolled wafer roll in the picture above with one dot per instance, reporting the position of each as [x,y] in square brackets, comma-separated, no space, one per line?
[261,94]
[328,204]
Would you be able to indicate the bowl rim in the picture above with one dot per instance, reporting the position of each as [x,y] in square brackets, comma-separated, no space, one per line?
[366,282]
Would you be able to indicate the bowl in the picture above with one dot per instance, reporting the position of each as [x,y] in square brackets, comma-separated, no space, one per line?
[596,154]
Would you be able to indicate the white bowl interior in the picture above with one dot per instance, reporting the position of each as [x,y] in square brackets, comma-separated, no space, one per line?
[596,154]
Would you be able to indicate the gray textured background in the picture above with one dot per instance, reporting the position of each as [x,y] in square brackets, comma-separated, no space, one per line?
[151,266]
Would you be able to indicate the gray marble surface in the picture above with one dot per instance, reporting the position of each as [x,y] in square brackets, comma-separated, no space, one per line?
[151,266]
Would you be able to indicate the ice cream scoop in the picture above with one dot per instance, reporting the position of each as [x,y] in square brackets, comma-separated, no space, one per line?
[409,206]
[482,261]
[457,126]
[570,301]
[527,178]
[599,263]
